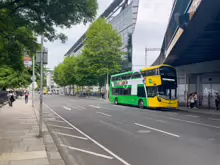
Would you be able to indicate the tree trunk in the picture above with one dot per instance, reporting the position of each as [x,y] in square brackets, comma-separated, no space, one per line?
[70,90]
[64,90]
[100,91]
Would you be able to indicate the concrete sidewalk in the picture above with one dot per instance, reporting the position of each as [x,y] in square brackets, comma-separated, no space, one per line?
[203,111]
[19,144]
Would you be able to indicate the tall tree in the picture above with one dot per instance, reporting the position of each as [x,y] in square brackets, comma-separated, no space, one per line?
[22,20]
[11,78]
[69,70]
[103,49]
[59,76]
[42,16]
[84,76]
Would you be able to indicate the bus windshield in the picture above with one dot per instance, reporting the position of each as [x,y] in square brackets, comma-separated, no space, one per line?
[167,92]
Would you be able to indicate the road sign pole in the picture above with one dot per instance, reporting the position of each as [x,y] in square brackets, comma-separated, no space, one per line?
[41,89]
[33,80]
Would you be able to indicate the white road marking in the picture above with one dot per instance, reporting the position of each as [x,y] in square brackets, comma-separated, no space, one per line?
[77,137]
[187,121]
[192,122]
[214,119]
[172,113]
[58,126]
[94,141]
[211,139]
[77,108]
[192,116]
[116,127]
[119,106]
[58,121]
[94,106]
[81,107]
[69,109]
[156,130]
[143,131]
[88,152]
[104,114]
[162,121]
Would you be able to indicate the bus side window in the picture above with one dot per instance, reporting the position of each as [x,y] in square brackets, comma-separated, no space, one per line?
[141,92]
[151,91]
[115,91]
[126,91]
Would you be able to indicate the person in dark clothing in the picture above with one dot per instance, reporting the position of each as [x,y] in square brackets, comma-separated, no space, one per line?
[26,94]
[11,98]
[217,101]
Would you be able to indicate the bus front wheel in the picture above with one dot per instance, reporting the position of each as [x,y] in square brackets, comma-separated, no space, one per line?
[141,104]
[116,101]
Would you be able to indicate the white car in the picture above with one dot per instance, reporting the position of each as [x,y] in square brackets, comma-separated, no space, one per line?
[49,93]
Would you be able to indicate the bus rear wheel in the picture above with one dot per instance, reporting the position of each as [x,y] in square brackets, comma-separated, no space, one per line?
[116,101]
[141,104]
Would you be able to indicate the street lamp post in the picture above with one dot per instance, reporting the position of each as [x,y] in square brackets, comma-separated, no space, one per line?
[152,50]
[41,88]
[33,80]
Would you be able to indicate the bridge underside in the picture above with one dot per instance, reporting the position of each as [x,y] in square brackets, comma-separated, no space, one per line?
[200,41]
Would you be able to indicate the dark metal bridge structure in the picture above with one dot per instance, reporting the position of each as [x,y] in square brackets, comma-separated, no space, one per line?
[193,33]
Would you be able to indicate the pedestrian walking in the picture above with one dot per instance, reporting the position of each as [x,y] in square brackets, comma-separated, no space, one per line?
[26,94]
[11,98]
[191,101]
[217,101]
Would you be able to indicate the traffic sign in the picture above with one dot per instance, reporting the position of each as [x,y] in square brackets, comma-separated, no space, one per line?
[33,78]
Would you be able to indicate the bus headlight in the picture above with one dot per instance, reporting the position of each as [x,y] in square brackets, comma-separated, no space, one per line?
[158,98]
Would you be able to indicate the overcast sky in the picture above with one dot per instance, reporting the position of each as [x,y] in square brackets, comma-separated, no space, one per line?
[151,25]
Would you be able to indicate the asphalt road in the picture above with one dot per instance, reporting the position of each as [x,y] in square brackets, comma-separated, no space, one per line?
[95,132]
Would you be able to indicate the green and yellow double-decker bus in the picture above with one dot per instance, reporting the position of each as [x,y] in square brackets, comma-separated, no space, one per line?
[152,87]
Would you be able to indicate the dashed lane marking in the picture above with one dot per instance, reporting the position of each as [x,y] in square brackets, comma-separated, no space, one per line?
[193,116]
[214,119]
[77,108]
[143,131]
[69,109]
[104,114]
[81,107]
[168,133]
[94,106]
[161,121]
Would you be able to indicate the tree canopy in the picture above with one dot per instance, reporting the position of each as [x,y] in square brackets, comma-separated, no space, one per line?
[43,16]
[103,48]
[101,55]
[21,21]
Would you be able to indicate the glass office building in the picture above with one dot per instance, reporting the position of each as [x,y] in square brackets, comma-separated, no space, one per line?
[122,15]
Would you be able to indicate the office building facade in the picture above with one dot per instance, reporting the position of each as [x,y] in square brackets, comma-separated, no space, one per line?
[122,15]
